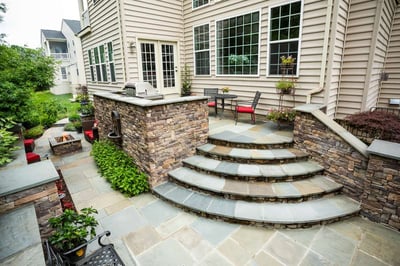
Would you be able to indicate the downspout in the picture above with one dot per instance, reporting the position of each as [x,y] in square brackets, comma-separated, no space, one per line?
[121,27]
[324,53]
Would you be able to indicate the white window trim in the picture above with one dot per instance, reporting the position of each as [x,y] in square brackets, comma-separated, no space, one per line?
[195,8]
[259,45]
[209,49]
[298,39]
[106,62]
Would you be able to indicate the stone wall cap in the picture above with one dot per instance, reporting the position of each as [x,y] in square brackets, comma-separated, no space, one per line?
[146,102]
[308,108]
[29,176]
[385,149]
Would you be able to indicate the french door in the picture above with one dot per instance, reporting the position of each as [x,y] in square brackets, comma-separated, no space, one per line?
[159,65]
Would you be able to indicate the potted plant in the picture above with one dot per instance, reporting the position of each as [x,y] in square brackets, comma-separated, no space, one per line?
[186,81]
[71,229]
[78,126]
[284,86]
[225,89]
[287,61]
[281,115]
[87,109]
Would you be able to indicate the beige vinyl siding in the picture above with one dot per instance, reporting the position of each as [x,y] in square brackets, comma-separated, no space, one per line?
[314,13]
[339,25]
[391,88]
[356,57]
[104,23]
[152,20]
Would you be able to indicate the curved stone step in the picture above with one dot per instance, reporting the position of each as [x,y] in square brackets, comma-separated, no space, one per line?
[295,191]
[254,172]
[258,156]
[253,139]
[302,214]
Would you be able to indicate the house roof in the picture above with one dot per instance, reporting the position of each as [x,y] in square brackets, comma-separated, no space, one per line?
[75,25]
[53,34]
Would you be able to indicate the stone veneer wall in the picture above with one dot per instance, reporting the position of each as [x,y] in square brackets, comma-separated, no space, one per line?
[158,137]
[374,181]
[45,200]
[381,202]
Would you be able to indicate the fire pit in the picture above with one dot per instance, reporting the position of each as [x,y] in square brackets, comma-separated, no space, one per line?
[65,144]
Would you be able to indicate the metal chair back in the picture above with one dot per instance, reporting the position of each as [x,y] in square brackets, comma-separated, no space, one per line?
[255,100]
[210,92]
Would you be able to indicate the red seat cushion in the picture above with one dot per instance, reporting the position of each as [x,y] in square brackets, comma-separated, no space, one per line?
[211,104]
[244,109]
[29,141]
[89,134]
[32,157]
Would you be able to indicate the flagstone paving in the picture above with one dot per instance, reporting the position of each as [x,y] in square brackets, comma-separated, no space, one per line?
[147,231]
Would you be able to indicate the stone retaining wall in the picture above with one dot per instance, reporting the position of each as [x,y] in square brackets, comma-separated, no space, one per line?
[45,200]
[374,181]
[159,136]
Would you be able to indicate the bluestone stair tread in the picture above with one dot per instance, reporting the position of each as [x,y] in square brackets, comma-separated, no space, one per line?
[255,154]
[296,189]
[254,170]
[308,212]
[272,138]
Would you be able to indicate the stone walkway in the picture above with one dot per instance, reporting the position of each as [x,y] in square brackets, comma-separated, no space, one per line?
[147,231]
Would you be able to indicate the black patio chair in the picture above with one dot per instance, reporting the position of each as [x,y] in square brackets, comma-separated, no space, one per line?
[211,92]
[105,255]
[247,107]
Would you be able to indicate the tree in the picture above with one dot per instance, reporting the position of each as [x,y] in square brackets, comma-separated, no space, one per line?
[22,71]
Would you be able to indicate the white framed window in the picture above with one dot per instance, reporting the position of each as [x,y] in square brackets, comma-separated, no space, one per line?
[237,45]
[201,42]
[101,63]
[199,3]
[284,35]
[111,61]
[91,65]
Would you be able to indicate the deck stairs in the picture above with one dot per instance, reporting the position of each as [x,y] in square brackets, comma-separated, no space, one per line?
[256,177]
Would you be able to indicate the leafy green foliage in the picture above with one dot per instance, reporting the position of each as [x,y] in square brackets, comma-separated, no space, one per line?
[22,71]
[281,115]
[69,127]
[7,141]
[71,228]
[119,169]
[34,132]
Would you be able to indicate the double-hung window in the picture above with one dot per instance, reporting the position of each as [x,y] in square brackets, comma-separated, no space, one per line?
[111,61]
[101,63]
[202,50]
[238,45]
[284,35]
[91,65]
[199,3]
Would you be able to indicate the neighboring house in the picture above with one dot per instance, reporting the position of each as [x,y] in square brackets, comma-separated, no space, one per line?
[342,48]
[66,48]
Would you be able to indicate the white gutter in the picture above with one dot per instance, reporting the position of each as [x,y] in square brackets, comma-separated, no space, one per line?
[324,53]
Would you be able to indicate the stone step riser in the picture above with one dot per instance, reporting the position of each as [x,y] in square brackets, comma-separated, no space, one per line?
[271,179]
[293,225]
[260,199]
[251,161]
[261,146]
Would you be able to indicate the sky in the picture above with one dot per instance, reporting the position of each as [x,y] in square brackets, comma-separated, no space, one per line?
[25,18]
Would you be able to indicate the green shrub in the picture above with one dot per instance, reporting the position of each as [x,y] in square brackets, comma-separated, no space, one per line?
[69,127]
[74,118]
[379,124]
[7,141]
[119,169]
[34,132]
